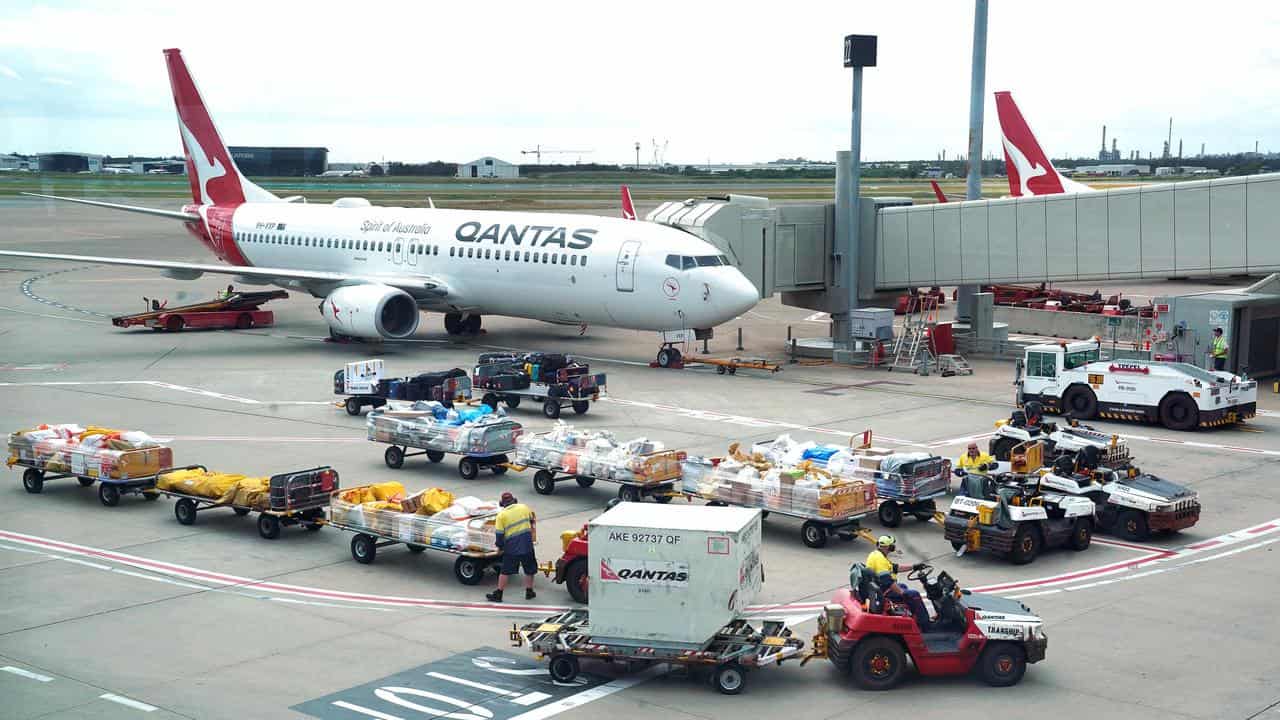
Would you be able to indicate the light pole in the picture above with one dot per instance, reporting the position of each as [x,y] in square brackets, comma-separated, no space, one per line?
[859,53]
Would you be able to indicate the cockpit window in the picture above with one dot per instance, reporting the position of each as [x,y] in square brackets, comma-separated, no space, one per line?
[710,260]
[674,261]
[688,262]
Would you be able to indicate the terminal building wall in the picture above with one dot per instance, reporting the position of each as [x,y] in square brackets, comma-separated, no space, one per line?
[1221,227]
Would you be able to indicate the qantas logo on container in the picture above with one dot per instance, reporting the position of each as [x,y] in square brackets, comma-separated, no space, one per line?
[644,572]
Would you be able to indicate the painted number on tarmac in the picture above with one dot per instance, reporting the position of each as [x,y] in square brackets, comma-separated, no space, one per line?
[483,684]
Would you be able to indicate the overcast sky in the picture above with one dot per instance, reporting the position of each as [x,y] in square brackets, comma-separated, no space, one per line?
[719,82]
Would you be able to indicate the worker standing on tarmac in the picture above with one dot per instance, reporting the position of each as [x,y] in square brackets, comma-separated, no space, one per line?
[1218,349]
[887,572]
[974,460]
[516,529]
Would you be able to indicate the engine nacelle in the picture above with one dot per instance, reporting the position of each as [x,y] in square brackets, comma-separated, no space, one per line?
[370,311]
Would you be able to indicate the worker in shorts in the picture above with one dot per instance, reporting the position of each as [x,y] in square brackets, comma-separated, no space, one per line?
[1219,350]
[516,530]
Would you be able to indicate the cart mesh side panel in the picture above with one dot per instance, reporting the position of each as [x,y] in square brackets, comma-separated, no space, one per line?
[300,490]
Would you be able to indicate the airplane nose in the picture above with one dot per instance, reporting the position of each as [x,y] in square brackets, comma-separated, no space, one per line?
[740,294]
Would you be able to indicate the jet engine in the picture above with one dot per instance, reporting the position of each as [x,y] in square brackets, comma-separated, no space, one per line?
[370,311]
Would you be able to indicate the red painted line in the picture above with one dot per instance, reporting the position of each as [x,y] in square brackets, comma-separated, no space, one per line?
[1203,545]
[1132,546]
[1260,528]
[1076,575]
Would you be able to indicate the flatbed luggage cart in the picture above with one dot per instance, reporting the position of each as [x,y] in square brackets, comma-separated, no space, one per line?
[732,365]
[638,475]
[377,528]
[132,467]
[912,492]
[486,446]
[503,377]
[740,646]
[297,498]
[363,384]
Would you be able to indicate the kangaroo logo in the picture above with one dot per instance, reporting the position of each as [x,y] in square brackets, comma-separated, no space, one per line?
[205,170]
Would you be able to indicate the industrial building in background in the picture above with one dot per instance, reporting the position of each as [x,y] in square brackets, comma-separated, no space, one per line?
[488,167]
[67,162]
[280,161]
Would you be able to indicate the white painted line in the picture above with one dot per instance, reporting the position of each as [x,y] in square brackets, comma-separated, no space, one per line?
[128,702]
[471,684]
[26,674]
[86,563]
[165,580]
[586,696]
[532,698]
[365,711]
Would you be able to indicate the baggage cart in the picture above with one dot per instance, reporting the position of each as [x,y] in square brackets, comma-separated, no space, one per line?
[296,498]
[117,471]
[558,382]
[480,446]
[363,384]
[645,474]
[565,639]
[375,529]
[911,491]
[733,364]
[836,509]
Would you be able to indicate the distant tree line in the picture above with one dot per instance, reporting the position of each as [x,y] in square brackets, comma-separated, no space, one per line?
[435,168]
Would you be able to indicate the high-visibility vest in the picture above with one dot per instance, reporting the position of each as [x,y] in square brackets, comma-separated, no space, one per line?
[1220,347]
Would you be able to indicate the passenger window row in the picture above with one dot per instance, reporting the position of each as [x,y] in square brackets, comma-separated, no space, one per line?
[688,262]
[520,256]
[335,243]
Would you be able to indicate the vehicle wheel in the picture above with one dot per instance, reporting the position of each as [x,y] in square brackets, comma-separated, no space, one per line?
[453,323]
[585,482]
[551,408]
[33,480]
[85,481]
[240,511]
[1080,402]
[491,400]
[468,468]
[174,324]
[1132,525]
[878,663]
[733,370]
[1026,545]
[394,457]
[353,406]
[544,482]
[1081,535]
[720,370]
[469,571]
[890,514]
[665,356]
[435,456]
[581,406]
[1002,664]
[364,548]
[109,494]
[415,549]
[814,534]
[729,678]
[1179,412]
[576,580]
[512,401]
[1002,447]
[471,325]
[185,511]
[498,469]
[629,493]
[563,668]
[268,526]
[244,322]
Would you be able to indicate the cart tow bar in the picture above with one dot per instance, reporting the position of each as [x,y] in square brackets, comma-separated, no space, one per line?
[818,647]
[517,639]
[546,568]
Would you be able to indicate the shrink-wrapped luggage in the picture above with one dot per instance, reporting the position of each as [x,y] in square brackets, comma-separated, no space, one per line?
[596,454]
[93,452]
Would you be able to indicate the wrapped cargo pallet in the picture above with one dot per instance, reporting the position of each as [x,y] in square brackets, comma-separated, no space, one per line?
[465,526]
[93,452]
[468,433]
[596,454]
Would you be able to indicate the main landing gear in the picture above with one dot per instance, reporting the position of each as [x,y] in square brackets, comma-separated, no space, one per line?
[455,324]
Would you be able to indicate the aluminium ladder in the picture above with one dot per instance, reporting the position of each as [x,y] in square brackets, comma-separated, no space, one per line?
[912,343]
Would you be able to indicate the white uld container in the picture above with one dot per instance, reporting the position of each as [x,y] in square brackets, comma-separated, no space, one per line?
[671,574]
[361,378]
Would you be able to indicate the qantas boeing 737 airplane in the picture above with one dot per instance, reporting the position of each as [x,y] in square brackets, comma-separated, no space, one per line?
[377,267]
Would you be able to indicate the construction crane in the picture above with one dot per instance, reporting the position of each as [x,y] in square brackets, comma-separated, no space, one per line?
[538,151]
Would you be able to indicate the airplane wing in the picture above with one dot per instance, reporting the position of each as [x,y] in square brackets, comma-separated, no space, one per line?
[172,214]
[420,287]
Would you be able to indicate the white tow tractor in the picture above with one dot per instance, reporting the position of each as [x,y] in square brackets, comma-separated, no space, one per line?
[1076,443]
[1130,504]
[1071,378]
[1014,516]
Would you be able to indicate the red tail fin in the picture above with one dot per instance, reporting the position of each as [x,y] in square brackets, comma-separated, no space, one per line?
[937,191]
[1030,172]
[628,208]
[215,179]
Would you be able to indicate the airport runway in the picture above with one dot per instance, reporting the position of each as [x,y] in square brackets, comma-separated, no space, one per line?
[123,612]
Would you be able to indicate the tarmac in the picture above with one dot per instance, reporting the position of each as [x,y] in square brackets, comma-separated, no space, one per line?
[123,612]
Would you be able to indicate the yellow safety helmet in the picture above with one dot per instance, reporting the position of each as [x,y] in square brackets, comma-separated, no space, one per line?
[885,541]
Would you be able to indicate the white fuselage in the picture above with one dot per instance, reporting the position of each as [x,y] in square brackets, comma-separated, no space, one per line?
[562,268]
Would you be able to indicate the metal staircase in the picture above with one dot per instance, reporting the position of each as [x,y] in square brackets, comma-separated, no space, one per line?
[911,346]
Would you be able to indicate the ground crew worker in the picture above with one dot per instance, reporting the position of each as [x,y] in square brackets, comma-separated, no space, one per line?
[973,459]
[887,572]
[1219,350]
[516,529]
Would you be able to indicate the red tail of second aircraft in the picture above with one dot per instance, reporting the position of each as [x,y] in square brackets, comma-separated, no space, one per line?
[215,179]
[1030,172]
[628,208]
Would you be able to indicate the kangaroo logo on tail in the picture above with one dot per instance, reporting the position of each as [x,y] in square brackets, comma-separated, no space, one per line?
[1030,171]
